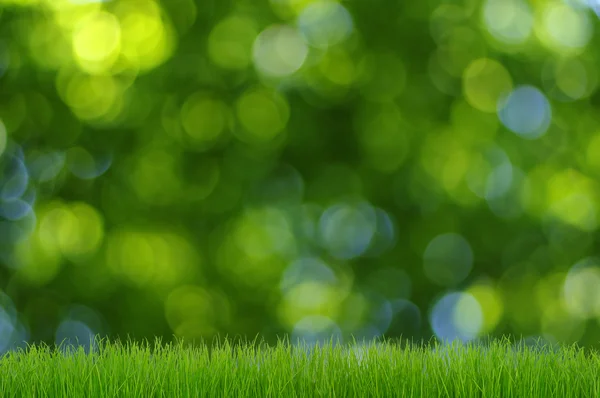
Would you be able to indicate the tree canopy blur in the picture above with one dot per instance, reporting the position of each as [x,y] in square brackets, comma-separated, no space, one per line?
[313,167]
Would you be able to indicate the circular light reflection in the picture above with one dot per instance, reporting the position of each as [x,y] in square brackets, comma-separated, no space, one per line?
[509,21]
[448,259]
[279,51]
[14,209]
[485,81]
[580,289]
[456,316]
[564,28]
[526,112]
[347,230]
[230,42]
[325,23]
[85,166]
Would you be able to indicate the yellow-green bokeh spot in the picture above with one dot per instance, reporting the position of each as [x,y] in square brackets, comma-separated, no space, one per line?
[76,230]
[261,233]
[581,294]
[48,44]
[485,81]
[563,28]
[289,8]
[147,37]
[38,262]
[560,326]
[263,115]
[190,312]
[573,199]
[254,250]
[150,259]
[90,97]
[309,298]
[230,42]
[491,304]
[338,67]
[204,119]
[447,159]
[96,42]
[573,77]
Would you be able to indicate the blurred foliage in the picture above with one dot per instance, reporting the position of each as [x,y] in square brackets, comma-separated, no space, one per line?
[310,167]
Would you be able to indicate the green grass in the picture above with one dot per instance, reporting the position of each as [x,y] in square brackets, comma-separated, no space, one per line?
[257,370]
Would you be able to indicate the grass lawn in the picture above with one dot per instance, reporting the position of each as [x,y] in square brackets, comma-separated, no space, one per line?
[384,369]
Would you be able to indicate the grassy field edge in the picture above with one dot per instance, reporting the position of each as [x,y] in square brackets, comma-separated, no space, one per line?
[230,367]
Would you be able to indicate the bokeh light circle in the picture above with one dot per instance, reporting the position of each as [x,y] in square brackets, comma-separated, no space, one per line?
[448,259]
[347,230]
[456,316]
[508,21]
[526,112]
[580,289]
[230,42]
[564,28]
[485,81]
[279,51]
[325,23]
[263,114]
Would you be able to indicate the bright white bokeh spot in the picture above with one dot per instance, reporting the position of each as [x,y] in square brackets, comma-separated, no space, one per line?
[526,112]
[581,289]
[305,270]
[316,330]
[347,230]
[565,27]
[509,21]
[456,316]
[448,259]
[325,23]
[279,51]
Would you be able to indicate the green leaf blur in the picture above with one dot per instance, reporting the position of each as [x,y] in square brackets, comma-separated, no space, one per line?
[311,168]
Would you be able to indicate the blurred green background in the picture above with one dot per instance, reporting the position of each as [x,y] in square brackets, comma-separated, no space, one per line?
[304,167]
